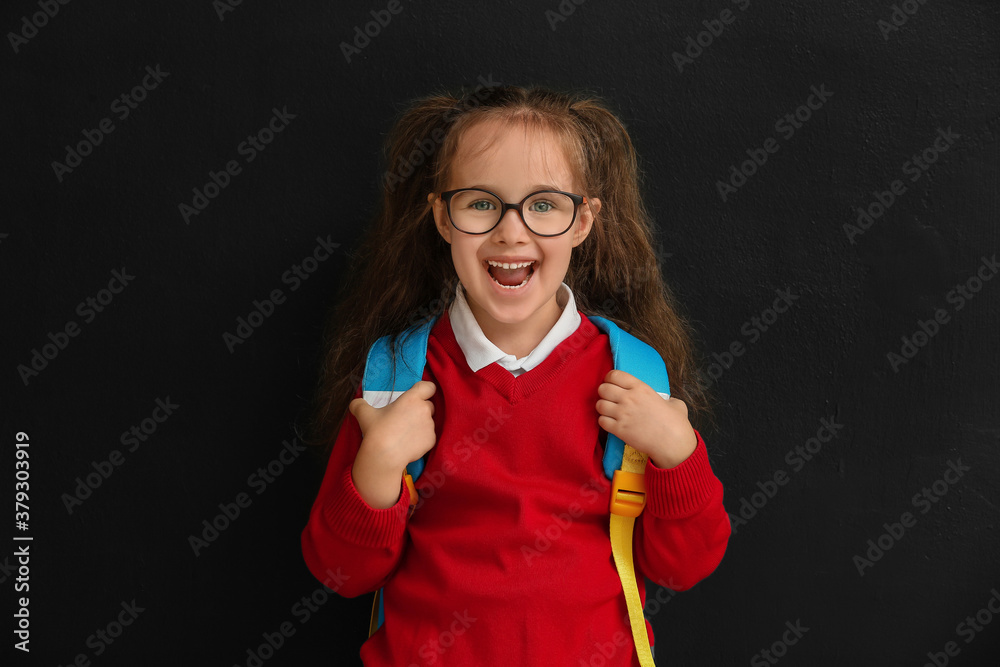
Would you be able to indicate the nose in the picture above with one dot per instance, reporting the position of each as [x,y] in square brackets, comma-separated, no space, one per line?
[511,226]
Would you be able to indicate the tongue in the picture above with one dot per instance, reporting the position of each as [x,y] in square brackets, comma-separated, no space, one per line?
[509,276]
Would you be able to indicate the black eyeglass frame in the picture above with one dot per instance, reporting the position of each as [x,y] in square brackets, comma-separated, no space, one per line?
[505,206]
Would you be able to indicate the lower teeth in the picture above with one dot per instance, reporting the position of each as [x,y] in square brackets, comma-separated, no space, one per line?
[514,286]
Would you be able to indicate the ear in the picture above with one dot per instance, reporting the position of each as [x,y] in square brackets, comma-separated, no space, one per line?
[586,220]
[440,217]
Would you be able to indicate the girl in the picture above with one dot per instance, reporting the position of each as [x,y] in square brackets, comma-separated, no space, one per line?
[507,558]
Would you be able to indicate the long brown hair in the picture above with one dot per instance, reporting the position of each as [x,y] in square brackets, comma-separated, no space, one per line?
[403,273]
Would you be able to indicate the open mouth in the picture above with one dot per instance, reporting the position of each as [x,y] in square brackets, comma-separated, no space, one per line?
[512,278]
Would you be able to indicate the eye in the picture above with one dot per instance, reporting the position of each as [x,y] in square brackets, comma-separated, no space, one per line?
[541,206]
[482,205]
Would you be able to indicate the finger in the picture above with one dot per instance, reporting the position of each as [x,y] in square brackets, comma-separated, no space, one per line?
[423,389]
[607,423]
[357,406]
[607,408]
[621,378]
[611,391]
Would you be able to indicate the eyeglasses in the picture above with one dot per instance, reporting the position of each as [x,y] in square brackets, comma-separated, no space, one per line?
[544,213]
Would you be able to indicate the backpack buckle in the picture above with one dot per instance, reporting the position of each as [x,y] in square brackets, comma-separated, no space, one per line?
[408,479]
[628,493]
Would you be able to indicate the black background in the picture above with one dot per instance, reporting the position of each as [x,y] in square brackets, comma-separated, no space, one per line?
[162,336]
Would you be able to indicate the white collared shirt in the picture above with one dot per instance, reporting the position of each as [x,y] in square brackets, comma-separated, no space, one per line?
[480,350]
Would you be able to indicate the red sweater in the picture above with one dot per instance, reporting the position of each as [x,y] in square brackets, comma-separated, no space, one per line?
[507,558]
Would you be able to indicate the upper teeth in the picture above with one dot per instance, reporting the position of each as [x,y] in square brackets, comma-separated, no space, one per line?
[503,265]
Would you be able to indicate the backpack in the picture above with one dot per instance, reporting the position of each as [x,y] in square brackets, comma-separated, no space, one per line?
[623,466]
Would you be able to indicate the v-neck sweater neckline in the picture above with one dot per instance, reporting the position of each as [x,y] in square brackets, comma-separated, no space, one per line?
[515,388]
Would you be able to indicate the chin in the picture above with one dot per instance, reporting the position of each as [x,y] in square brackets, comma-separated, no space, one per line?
[513,309]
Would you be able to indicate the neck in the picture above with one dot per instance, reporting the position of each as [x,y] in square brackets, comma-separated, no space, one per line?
[519,338]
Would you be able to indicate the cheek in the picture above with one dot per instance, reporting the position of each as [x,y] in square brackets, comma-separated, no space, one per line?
[463,255]
[557,255]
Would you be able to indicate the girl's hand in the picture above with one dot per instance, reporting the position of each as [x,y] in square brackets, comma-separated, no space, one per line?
[393,435]
[633,411]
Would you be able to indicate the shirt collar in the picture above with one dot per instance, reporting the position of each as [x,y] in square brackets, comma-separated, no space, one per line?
[481,352]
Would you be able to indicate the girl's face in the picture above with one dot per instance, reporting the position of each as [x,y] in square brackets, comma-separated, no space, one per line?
[516,165]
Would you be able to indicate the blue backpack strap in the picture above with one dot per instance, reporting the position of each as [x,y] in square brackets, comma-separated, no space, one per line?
[381,386]
[637,358]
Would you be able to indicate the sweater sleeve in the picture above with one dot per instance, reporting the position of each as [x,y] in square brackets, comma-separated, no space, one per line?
[684,529]
[344,534]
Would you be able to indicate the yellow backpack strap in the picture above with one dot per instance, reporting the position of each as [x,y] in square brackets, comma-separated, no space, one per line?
[628,497]
[626,468]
